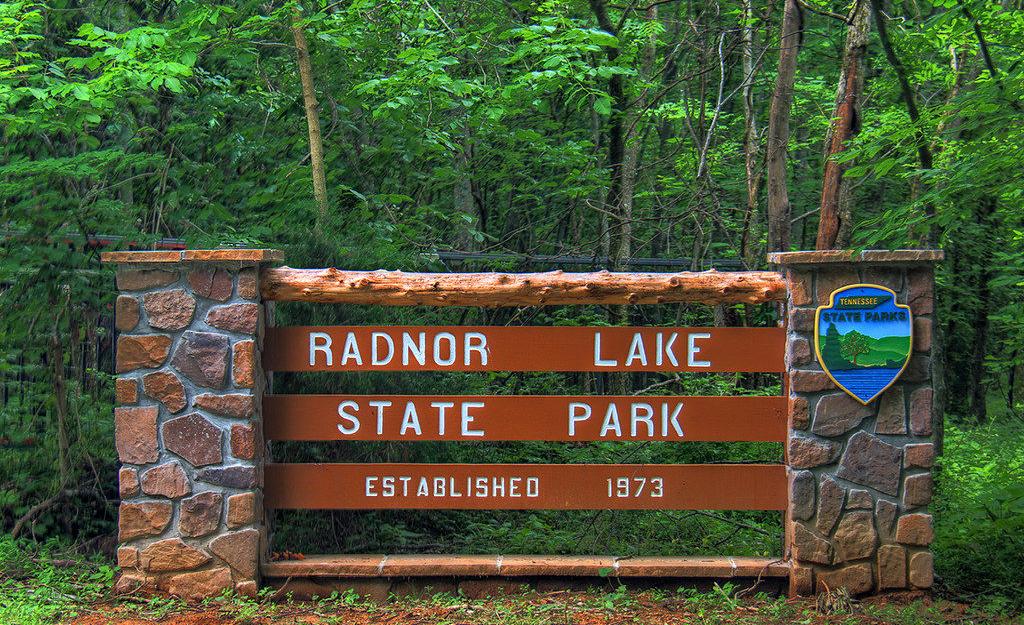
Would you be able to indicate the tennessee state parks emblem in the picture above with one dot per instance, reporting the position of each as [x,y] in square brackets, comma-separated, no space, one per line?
[862,339]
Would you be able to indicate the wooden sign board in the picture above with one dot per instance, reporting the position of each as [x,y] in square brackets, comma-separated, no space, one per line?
[523,486]
[487,348]
[526,486]
[523,418]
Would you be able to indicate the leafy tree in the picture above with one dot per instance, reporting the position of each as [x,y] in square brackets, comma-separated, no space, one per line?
[854,344]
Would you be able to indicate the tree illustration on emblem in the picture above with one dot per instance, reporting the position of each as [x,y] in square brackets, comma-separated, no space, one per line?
[854,344]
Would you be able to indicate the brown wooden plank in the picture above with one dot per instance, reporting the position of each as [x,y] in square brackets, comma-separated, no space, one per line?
[396,288]
[530,348]
[525,486]
[522,418]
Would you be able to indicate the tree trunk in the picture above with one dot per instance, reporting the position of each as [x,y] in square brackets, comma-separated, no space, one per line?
[750,140]
[316,142]
[633,137]
[60,397]
[1011,382]
[984,214]
[625,139]
[835,196]
[55,354]
[464,197]
[778,128]
[924,153]
[950,126]
[616,138]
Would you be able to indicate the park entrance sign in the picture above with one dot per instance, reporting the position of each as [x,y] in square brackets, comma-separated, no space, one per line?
[195,414]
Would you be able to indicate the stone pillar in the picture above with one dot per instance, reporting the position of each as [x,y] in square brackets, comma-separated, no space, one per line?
[187,420]
[860,476]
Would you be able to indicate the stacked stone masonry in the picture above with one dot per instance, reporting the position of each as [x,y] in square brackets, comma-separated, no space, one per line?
[860,476]
[187,426]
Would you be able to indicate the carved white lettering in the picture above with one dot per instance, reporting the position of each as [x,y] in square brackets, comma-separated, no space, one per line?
[320,342]
[692,350]
[351,350]
[598,360]
[641,413]
[417,350]
[467,418]
[353,420]
[410,420]
[611,421]
[578,412]
[637,351]
[376,359]
[475,342]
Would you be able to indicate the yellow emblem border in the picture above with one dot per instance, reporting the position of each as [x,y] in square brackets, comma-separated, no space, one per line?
[817,348]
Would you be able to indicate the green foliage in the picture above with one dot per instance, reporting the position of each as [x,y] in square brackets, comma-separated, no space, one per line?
[968,202]
[979,537]
[40,585]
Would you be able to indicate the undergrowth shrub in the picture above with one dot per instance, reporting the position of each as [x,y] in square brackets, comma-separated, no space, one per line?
[81,504]
[979,511]
[42,583]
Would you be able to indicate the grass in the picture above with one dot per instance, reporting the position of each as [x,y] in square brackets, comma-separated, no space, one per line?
[48,584]
[885,349]
[41,586]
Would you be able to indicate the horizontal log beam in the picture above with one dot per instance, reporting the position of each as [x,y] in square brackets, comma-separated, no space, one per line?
[430,565]
[396,288]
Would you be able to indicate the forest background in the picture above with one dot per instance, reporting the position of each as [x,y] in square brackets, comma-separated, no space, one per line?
[512,135]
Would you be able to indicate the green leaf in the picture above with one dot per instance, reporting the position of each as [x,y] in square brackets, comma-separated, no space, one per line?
[883,167]
[173,84]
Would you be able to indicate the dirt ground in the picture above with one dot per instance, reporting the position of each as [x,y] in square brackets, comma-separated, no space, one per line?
[561,608]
